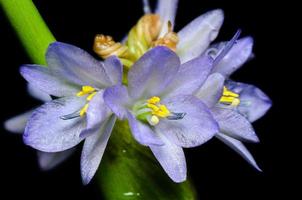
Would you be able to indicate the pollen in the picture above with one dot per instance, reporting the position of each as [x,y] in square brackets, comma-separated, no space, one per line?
[86,90]
[229,97]
[157,109]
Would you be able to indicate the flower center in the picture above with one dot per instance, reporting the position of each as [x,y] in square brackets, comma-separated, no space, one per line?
[152,111]
[229,97]
[88,91]
[143,36]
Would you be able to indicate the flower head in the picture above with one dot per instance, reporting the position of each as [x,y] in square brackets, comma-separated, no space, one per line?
[161,110]
[78,112]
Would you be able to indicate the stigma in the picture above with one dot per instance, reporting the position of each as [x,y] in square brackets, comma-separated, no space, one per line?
[229,98]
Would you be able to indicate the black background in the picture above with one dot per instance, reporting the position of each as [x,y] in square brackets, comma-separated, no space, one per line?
[217,171]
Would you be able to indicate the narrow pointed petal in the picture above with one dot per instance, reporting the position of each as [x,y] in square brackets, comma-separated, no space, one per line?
[143,133]
[116,98]
[166,9]
[48,161]
[172,159]
[195,38]
[17,124]
[254,102]
[195,128]
[114,69]
[234,124]
[211,90]
[97,113]
[235,58]
[94,148]
[237,146]
[152,73]
[46,131]
[190,76]
[37,93]
[76,65]
[43,79]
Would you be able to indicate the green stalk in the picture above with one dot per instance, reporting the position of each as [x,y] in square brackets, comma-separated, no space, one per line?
[128,170]
[29,26]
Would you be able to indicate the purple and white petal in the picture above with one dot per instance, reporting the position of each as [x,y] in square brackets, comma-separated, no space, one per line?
[235,58]
[43,79]
[76,65]
[195,128]
[210,92]
[114,69]
[37,93]
[97,113]
[234,124]
[143,132]
[254,103]
[172,159]
[152,73]
[117,99]
[48,161]
[191,76]
[17,124]
[237,146]
[47,131]
[94,148]
[195,38]
[166,9]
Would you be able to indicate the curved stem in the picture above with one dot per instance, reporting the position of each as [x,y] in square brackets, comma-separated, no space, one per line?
[29,26]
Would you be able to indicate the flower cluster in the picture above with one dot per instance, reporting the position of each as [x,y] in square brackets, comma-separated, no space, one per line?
[173,89]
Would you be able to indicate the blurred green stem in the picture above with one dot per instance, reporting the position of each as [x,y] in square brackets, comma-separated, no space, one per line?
[128,169]
[29,26]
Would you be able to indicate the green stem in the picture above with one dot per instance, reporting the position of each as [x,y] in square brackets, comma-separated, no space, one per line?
[29,26]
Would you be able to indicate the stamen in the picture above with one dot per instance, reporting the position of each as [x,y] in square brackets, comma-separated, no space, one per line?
[229,97]
[71,116]
[176,116]
[91,96]
[84,110]
[158,109]
[85,90]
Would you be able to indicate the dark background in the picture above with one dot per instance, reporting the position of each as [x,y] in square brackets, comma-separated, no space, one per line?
[216,170]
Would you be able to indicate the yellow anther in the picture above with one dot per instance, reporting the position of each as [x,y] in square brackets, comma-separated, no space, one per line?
[154,120]
[154,100]
[85,90]
[84,110]
[91,96]
[229,97]
[158,109]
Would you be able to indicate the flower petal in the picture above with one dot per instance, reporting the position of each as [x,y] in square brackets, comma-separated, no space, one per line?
[114,69]
[48,161]
[142,132]
[166,9]
[46,131]
[17,124]
[94,148]
[235,58]
[190,76]
[37,93]
[211,90]
[152,73]
[254,102]
[197,127]
[42,78]
[76,65]
[237,146]
[97,113]
[197,35]
[234,124]
[116,98]
[172,159]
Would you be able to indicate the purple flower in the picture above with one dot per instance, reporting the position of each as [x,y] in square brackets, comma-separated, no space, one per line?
[161,110]
[234,105]
[17,125]
[78,112]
